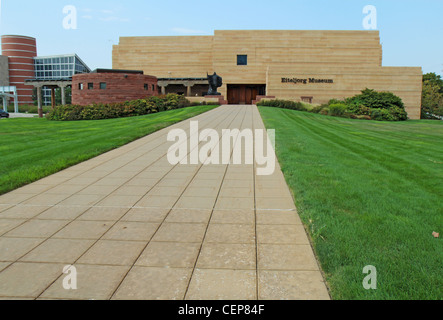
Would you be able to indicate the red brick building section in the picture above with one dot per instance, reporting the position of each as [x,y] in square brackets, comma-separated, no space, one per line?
[110,86]
[20,51]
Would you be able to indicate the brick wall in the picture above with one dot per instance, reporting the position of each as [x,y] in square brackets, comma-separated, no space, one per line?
[120,87]
[21,51]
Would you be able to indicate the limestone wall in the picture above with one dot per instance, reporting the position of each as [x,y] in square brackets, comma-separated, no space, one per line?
[353,59]
[347,82]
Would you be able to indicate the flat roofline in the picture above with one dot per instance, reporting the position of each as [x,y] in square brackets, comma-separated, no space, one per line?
[101,70]
[56,56]
[63,56]
[182,79]
[256,30]
[49,80]
[18,36]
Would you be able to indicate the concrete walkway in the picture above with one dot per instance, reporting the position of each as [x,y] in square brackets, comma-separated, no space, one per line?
[136,227]
[13,115]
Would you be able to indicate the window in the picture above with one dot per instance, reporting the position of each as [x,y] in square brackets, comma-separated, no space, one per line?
[242,60]
[146,87]
[90,86]
[102,85]
[80,86]
[153,87]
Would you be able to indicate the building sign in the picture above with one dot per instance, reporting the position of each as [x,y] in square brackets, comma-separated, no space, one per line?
[306,81]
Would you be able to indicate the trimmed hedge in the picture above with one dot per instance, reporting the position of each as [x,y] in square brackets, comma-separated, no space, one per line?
[283,104]
[118,110]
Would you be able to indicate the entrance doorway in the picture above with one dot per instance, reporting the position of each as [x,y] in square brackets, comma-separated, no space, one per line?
[245,93]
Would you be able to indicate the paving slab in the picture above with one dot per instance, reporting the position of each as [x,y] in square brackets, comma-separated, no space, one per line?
[136,227]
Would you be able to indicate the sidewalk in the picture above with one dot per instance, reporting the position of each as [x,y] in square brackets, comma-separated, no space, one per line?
[22,115]
[136,227]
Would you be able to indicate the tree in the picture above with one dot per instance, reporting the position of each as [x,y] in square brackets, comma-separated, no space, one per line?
[432,97]
[434,79]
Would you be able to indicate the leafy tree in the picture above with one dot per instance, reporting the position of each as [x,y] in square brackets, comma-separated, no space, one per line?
[432,100]
[434,79]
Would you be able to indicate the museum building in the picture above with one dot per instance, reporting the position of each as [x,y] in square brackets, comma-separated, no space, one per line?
[310,66]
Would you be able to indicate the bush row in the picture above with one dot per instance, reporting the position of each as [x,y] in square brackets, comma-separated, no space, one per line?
[283,104]
[118,110]
[369,105]
[27,108]
[204,103]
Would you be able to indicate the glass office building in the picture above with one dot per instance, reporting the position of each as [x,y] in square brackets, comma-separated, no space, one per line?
[60,67]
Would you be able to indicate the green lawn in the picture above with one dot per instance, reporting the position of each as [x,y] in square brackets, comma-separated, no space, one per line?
[370,193]
[31,149]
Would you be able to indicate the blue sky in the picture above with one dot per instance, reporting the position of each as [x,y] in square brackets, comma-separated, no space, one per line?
[411,31]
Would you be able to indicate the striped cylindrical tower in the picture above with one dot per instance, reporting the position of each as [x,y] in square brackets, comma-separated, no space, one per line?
[21,51]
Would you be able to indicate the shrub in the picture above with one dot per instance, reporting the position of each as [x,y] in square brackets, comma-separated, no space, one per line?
[375,100]
[338,109]
[381,115]
[393,114]
[283,104]
[380,106]
[364,117]
[318,109]
[336,101]
[363,110]
[369,105]
[398,114]
[324,112]
[118,110]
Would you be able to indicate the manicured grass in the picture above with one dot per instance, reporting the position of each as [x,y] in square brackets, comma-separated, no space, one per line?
[31,149]
[370,193]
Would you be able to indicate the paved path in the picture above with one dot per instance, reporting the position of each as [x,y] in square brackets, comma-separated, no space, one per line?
[136,227]
[22,115]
